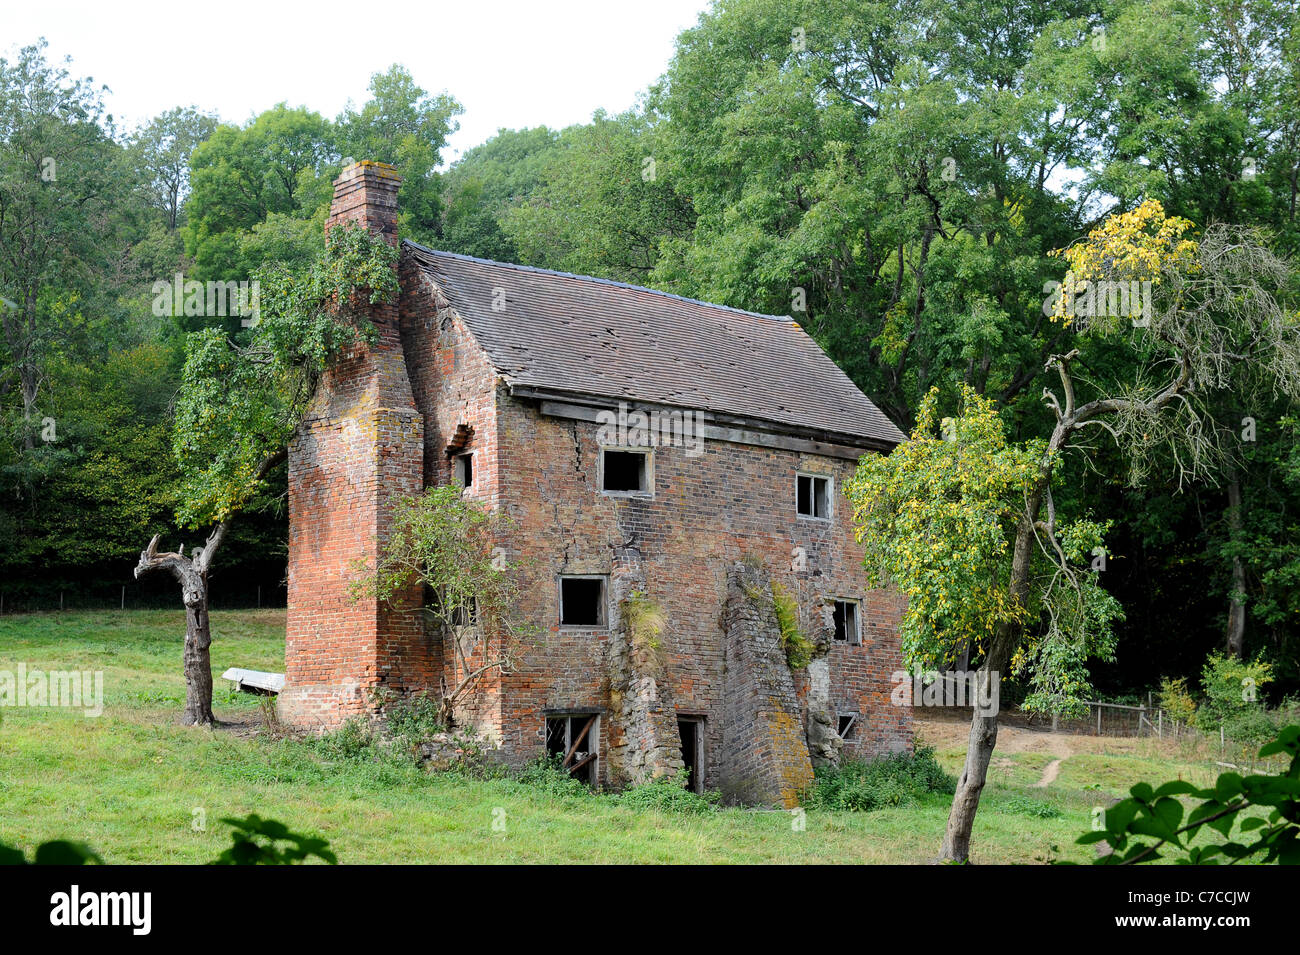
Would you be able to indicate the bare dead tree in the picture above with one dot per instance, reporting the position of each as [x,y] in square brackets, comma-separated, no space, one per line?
[192,574]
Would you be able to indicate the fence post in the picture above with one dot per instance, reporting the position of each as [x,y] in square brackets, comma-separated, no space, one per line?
[124,596]
[1098,719]
[1160,723]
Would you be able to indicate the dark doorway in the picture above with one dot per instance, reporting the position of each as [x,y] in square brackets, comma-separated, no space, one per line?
[575,742]
[691,729]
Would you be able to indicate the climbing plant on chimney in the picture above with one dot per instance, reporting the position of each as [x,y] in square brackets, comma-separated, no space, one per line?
[240,403]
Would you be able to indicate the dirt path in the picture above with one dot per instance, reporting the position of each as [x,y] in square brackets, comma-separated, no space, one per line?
[1049,774]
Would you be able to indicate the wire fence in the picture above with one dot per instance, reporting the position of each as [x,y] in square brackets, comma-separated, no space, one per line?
[1150,721]
[160,594]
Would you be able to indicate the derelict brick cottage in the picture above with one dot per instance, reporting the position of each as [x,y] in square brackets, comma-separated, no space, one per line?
[496,376]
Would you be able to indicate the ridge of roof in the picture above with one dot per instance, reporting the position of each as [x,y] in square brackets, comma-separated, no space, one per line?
[783,319]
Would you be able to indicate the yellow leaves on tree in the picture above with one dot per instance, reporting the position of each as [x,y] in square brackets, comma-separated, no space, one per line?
[1137,246]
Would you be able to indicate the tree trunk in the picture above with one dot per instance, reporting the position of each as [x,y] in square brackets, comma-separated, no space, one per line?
[192,574]
[984,729]
[1237,593]
[966,801]
[198,664]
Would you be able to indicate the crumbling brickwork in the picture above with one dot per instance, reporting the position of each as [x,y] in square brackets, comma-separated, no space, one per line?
[764,742]
[391,420]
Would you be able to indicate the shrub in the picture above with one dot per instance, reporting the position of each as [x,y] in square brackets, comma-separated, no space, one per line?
[1037,808]
[1176,699]
[1253,726]
[1230,687]
[547,774]
[413,719]
[889,780]
[669,795]
[354,739]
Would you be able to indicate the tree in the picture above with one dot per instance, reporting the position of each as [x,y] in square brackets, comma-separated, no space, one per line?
[59,178]
[484,184]
[1215,314]
[403,125]
[162,147]
[240,404]
[450,545]
[277,165]
[606,205]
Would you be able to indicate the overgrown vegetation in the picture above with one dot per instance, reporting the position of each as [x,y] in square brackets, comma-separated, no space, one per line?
[1176,700]
[669,795]
[1232,699]
[795,644]
[451,547]
[894,779]
[644,620]
[1153,823]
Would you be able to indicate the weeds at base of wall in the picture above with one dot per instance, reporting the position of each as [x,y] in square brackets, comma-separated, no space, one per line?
[893,779]
[669,796]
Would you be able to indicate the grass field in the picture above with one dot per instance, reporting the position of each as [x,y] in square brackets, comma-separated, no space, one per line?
[132,782]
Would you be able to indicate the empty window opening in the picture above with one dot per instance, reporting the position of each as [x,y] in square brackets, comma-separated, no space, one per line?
[846,622]
[691,729]
[625,472]
[463,613]
[814,496]
[582,601]
[465,470]
[847,724]
[575,742]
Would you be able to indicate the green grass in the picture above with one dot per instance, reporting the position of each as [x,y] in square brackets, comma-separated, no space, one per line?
[128,782]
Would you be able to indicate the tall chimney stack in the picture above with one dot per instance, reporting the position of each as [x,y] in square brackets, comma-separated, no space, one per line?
[366,193]
[359,449]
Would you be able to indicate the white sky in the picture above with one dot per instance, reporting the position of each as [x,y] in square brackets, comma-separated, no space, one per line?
[510,63]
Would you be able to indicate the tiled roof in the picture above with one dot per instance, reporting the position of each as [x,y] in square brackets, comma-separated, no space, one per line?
[575,334]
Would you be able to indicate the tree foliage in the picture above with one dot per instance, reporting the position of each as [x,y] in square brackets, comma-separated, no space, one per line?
[937,518]
[240,403]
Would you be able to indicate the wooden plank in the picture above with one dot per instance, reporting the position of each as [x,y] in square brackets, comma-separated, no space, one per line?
[718,432]
[257,679]
[582,762]
[578,742]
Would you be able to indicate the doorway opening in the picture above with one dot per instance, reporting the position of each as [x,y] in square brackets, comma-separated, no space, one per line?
[691,729]
[575,739]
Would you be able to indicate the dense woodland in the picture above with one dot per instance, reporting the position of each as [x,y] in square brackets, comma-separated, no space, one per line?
[893,175]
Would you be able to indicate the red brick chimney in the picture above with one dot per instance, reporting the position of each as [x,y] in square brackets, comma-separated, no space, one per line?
[359,449]
[366,193]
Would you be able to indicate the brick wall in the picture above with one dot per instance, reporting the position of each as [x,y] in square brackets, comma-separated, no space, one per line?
[359,449]
[381,427]
[707,513]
